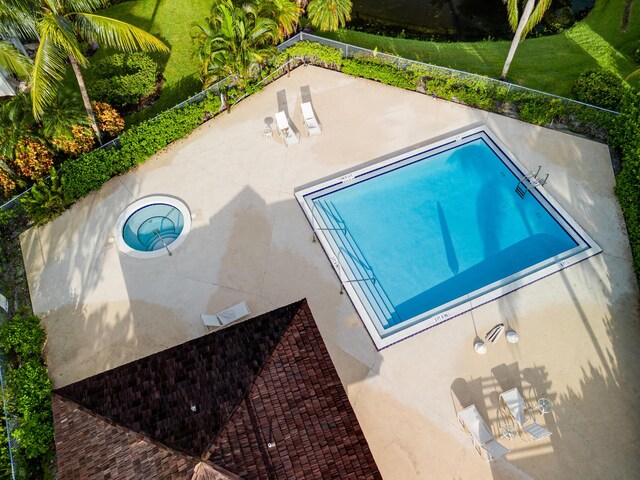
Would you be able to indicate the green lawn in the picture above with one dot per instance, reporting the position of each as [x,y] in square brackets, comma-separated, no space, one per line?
[171,22]
[548,63]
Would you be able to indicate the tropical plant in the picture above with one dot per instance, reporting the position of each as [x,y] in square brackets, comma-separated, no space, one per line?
[329,15]
[109,120]
[234,41]
[7,183]
[79,141]
[62,25]
[32,158]
[64,112]
[13,61]
[16,122]
[286,14]
[45,200]
[522,24]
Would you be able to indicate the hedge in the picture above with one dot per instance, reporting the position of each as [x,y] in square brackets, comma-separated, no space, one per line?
[91,170]
[29,392]
[625,137]
[380,71]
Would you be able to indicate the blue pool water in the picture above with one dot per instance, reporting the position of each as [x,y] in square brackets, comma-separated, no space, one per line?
[445,228]
[152,227]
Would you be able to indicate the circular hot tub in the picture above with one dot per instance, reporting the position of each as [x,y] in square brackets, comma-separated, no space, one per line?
[152,226]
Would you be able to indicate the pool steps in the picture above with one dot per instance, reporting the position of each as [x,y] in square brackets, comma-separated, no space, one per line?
[344,247]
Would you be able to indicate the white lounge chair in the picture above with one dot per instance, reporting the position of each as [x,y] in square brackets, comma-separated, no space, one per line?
[310,121]
[285,131]
[515,404]
[483,441]
[227,316]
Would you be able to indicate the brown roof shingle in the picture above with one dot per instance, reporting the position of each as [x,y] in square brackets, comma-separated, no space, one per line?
[298,405]
[90,447]
[267,380]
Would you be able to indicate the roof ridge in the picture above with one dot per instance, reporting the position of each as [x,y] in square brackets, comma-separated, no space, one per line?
[300,305]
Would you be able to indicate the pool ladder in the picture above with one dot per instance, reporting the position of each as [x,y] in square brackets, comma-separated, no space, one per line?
[533,179]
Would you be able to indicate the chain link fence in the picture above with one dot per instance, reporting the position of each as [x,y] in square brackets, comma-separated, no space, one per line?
[352,51]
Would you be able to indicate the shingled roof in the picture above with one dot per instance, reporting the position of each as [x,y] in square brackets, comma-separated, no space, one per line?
[260,399]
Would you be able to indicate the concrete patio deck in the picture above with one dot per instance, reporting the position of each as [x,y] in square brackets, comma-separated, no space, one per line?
[250,240]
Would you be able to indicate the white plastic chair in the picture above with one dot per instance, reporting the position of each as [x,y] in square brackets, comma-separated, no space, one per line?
[227,316]
[285,131]
[515,404]
[310,121]
[483,441]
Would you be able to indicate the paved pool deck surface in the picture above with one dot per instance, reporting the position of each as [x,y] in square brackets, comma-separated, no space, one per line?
[250,241]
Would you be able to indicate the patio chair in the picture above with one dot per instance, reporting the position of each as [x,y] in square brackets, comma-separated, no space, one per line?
[310,121]
[284,130]
[226,317]
[515,404]
[485,444]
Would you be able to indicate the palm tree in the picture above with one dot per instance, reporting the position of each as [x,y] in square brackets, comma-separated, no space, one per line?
[522,24]
[329,15]
[286,13]
[61,25]
[233,41]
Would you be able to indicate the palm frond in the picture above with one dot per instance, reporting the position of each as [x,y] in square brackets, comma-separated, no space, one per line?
[62,114]
[536,16]
[48,71]
[116,34]
[13,61]
[18,19]
[329,15]
[513,13]
[86,6]
[59,31]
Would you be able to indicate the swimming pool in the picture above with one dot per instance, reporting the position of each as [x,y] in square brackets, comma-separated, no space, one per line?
[422,237]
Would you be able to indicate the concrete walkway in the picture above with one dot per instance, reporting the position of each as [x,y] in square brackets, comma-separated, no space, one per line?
[250,240]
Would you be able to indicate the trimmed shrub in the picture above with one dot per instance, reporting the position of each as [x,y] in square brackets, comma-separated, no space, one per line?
[315,53]
[540,111]
[123,79]
[380,71]
[625,133]
[28,385]
[601,87]
[23,335]
[89,171]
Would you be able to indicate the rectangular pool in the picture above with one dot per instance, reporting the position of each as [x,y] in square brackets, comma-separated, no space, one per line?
[427,235]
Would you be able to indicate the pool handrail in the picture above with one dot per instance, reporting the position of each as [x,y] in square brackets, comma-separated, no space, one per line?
[358,276]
